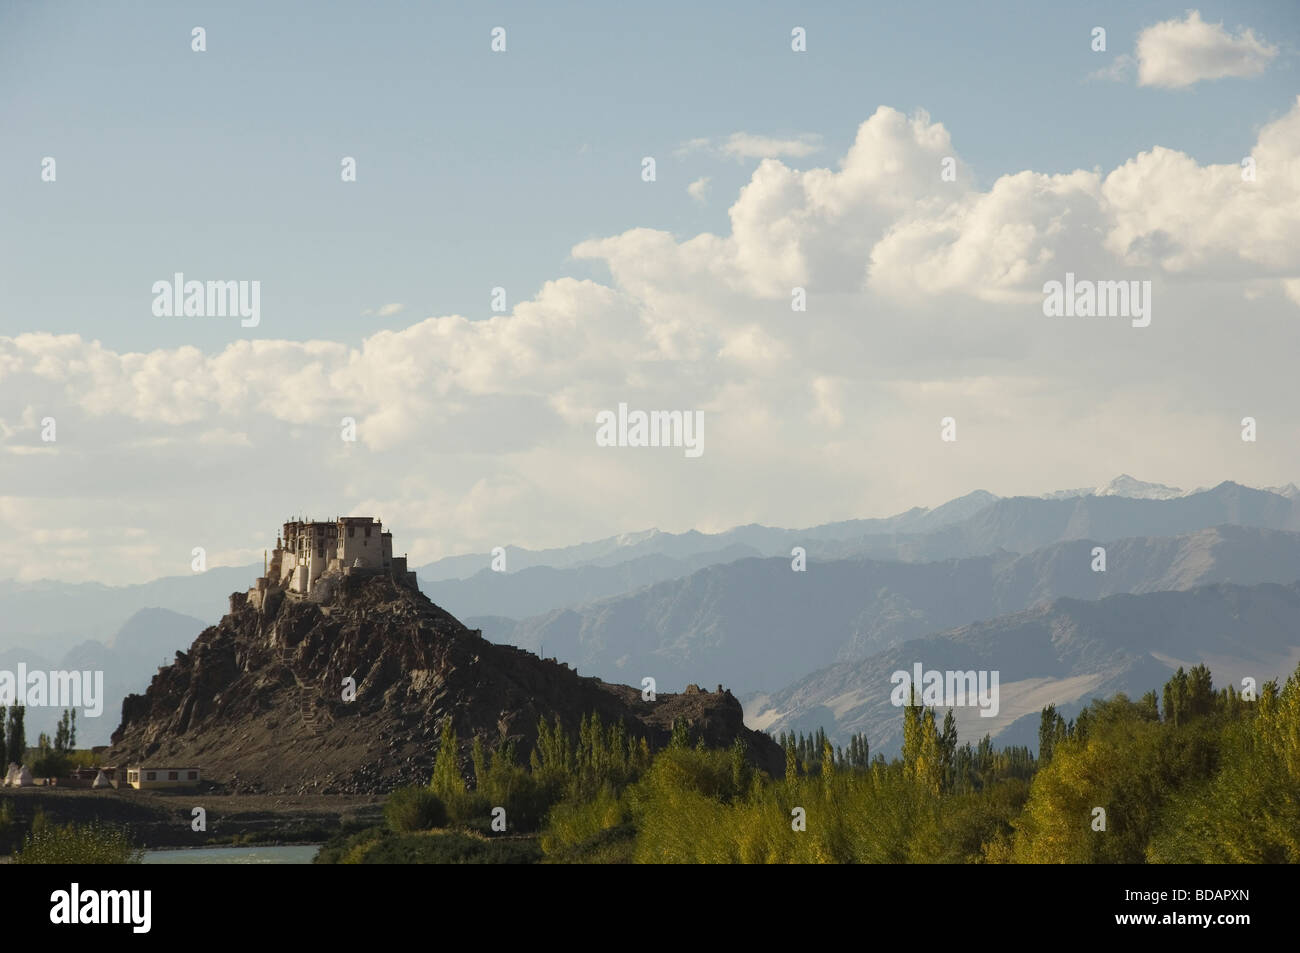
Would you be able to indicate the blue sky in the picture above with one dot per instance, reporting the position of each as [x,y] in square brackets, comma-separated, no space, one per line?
[478,169]
[523,170]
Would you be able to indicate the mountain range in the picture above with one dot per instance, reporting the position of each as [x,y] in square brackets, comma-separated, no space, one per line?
[1064,652]
[726,607]
[763,625]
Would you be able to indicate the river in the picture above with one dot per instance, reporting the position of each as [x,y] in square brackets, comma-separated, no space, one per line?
[293,854]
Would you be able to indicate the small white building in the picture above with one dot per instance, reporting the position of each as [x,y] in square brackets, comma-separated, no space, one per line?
[146,776]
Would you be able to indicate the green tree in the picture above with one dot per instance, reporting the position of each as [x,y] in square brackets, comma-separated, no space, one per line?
[447,782]
[681,737]
[1175,698]
[17,740]
[1200,692]
[740,771]
[478,757]
[1051,731]
[65,735]
[948,748]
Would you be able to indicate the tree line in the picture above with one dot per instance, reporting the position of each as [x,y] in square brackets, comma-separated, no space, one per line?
[1189,774]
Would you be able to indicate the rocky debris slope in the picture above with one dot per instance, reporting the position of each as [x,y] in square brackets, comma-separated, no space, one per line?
[258,702]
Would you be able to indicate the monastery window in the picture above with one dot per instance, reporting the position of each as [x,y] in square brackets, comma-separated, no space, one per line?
[173,776]
[352,531]
[149,775]
[367,532]
[194,775]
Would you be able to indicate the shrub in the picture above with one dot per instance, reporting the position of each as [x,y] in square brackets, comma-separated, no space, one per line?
[574,822]
[73,844]
[414,809]
[451,848]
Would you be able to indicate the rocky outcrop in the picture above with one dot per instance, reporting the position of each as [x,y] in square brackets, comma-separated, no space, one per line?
[262,700]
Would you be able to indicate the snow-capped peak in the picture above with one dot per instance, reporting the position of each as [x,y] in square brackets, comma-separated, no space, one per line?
[1125,485]
[1290,491]
[631,539]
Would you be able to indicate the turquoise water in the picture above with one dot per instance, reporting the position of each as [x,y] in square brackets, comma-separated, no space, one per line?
[297,854]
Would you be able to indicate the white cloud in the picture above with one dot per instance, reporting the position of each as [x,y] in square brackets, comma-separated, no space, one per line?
[1178,53]
[385,311]
[700,144]
[699,189]
[743,145]
[924,300]
[1117,71]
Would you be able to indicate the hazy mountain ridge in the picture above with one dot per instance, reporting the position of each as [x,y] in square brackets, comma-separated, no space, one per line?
[1064,652]
[540,589]
[745,623]
[1023,524]
[763,540]
[55,616]
[148,639]
[762,624]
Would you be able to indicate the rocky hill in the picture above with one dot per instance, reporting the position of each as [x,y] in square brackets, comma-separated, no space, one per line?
[258,700]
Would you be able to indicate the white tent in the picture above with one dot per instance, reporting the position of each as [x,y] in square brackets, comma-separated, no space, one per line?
[101,781]
[11,776]
[24,778]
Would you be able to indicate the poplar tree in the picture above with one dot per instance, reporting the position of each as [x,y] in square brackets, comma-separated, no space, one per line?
[911,735]
[479,757]
[447,782]
[739,767]
[948,748]
[1051,729]
[17,743]
[1175,698]
[1200,692]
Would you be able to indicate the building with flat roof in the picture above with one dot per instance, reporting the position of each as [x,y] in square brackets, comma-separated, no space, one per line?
[144,777]
[310,555]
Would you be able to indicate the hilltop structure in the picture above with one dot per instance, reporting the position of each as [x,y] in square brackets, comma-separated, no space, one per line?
[311,556]
[334,674]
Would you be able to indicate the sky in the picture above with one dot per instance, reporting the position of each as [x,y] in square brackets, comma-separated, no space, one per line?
[523,170]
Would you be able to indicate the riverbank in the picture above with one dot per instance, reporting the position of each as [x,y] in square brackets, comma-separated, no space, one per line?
[158,819]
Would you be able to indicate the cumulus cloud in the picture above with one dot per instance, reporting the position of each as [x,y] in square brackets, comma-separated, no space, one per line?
[1178,53]
[699,189]
[923,301]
